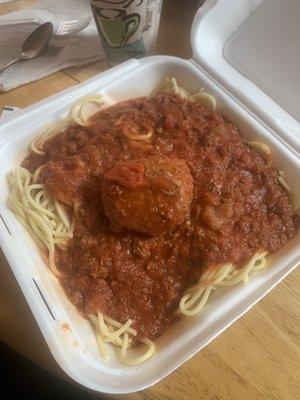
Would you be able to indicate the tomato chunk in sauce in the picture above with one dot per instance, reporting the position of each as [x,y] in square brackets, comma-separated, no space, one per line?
[152,214]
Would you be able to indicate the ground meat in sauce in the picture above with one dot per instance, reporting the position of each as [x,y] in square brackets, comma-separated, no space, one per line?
[151,215]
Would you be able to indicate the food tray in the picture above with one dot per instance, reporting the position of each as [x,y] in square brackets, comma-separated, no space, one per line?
[69,336]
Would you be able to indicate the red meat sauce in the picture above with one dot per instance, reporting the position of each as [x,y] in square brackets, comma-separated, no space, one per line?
[151,215]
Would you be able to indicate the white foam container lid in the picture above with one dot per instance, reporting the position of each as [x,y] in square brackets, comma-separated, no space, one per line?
[252,48]
[218,66]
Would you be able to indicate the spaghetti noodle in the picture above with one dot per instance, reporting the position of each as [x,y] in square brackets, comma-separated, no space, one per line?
[49,224]
[121,335]
[37,210]
[228,275]
[170,85]
[78,116]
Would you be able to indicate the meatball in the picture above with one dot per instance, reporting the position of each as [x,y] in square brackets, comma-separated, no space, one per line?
[149,195]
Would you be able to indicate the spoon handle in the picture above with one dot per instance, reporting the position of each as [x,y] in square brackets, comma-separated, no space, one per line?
[8,65]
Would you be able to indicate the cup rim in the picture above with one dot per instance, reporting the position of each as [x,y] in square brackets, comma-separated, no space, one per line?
[99,10]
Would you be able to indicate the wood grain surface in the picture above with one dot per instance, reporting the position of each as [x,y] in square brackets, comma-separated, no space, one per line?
[256,358]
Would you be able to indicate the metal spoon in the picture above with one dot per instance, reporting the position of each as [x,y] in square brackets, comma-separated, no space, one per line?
[34,45]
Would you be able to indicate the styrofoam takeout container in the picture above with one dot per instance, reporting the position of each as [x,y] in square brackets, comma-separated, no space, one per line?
[221,64]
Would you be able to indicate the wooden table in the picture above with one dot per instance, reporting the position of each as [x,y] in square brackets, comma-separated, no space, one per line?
[256,358]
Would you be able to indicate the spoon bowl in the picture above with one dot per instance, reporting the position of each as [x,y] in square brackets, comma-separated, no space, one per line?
[35,44]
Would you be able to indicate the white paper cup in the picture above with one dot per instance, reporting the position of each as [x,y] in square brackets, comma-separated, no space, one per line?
[128,28]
